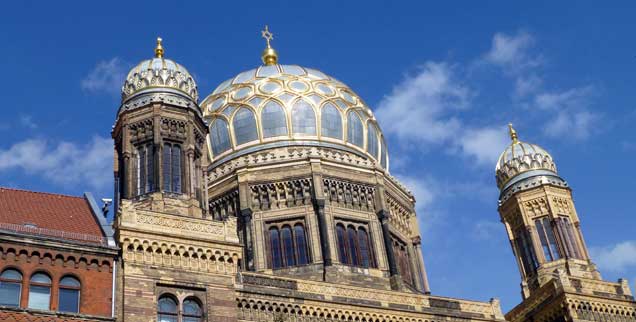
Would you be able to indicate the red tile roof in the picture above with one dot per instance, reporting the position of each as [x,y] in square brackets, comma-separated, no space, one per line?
[48,214]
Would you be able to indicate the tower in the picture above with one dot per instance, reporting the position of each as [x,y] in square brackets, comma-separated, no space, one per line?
[175,261]
[559,280]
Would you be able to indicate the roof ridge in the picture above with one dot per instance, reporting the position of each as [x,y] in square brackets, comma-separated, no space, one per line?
[41,192]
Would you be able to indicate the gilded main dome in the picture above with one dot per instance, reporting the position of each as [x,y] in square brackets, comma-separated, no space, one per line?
[521,157]
[159,73]
[282,105]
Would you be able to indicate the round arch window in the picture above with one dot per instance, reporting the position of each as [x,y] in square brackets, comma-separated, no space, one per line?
[10,287]
[69,294]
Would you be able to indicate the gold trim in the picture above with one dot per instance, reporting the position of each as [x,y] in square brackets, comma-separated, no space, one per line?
[159,49]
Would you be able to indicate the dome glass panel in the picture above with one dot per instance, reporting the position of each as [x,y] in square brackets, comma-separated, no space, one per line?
[325,89]
[216,104]
[372,140]
[331,122]
[270,87]
[244,126]
[298,86]
[219,136]
[244,77]
[303,118]
[355,131]
[266,71]
[273,119]
[293,70]
[229,110]
[383,154]
[242,93]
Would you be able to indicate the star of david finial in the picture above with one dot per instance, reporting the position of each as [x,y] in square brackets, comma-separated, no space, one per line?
[269,56]
[267,35]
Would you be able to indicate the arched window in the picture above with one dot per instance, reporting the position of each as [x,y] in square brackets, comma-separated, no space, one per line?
[301,244]
[331,122]
[363,244]
[288,246]
[273,120]
[10,287]
[546,236]
[342,243]
[192,311]
[274,242]
[172,167]
[69,294]
[244,126]
[372,140]
[145,169]
[383,155]
[219,136]
[352,239]
[355,131]
[303,118]
[167,309]
[40,292]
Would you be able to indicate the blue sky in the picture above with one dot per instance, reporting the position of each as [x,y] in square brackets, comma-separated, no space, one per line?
[443,79]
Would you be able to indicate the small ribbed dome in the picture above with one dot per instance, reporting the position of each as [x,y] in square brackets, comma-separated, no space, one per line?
[158,74]
[275,105]
[520,157]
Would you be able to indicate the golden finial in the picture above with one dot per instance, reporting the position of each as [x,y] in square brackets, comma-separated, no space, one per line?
[513,133]
[159,48]
[269,56]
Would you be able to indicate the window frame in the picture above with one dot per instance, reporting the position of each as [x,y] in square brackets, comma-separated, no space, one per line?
[169,183]
[278,226]
[19,283]
[41,285]
[67,287]
[357,226]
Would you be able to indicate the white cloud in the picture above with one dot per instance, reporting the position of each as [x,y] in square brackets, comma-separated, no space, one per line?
[526,85]
[65,163]
[572,125]
[512,51]
[417,110]
[107,76]
[421,190]
[485,144]
[615,258]
[568,99]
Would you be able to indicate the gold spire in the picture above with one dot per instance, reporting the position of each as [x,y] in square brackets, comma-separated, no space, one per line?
[159,48]
[513,133]
[269,56]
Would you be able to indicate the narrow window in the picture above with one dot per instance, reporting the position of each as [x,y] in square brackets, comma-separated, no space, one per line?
[571,236]
[303,118]
[219,136]
[40,292]
[353,245]
[363,242]
[354,130]
[172,168]
[192,311]
[301,244]
[372,140]
[176,169]
[10,287]
[273,120]
[288,246]
[274,241]
[167,167]
[331,122]
[342,244]
[526,253]
[144,169]
[244,126]
[69,295]
[167,309]
[548,243]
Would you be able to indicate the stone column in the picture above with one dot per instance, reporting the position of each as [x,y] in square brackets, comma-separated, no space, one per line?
[324,236]
[248,251]
[383,216]
[420,266]
[245,205]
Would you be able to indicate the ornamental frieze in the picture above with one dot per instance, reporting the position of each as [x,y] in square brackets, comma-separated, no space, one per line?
[181,224]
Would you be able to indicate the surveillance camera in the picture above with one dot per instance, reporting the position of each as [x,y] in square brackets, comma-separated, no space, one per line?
[107,200]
